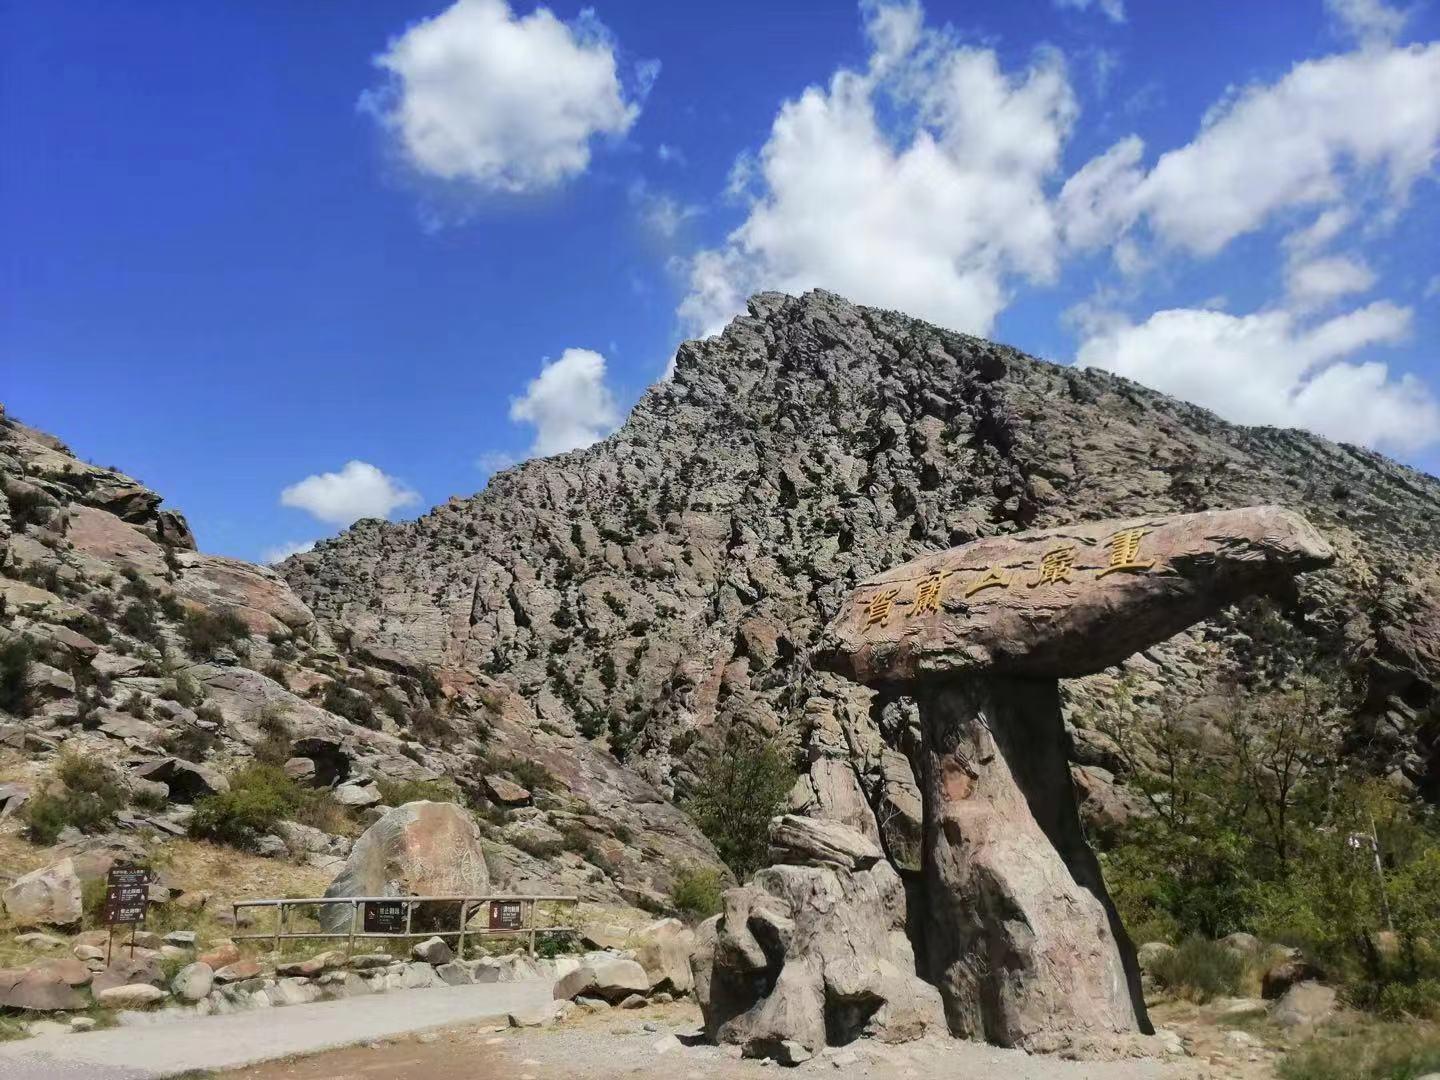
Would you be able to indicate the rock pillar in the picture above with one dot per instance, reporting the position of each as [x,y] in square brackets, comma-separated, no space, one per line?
[1020,935]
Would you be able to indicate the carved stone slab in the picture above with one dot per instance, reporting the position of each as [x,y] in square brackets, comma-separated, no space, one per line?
[1064,602]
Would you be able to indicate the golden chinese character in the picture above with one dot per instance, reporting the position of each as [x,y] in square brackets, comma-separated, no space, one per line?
[877,608]
[1124,547]
[1055,566]
[994,576]
[927,592]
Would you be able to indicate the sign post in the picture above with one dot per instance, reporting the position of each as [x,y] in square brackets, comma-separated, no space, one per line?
[384,916]
[127,897]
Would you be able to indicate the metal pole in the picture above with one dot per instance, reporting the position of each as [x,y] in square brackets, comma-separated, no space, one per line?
[354,918]
[460,932]
[533,907]
[279,925]
[409,912]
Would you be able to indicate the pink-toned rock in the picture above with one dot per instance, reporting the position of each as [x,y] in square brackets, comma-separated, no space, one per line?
[222,954]
[421,848]
[255,593]
[49,896]
[238,971]
[106,537]
[38,989]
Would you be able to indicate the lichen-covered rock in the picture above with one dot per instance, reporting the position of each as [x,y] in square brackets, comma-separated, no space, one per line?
[49,896]
[611,978]
[807,956]
[38,989]
[419,849]
[664,949]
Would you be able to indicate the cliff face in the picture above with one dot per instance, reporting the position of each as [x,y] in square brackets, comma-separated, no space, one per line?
[114,645]
[666,584]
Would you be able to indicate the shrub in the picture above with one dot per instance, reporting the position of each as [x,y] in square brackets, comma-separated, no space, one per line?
[29,507]
[740,789]
[399,792]
[1384,1052]
[85,794]
[697,893]
[1199,970]
[138,620]
[206,632]
[342,700]
[187,692]
[16,655]
[260,797]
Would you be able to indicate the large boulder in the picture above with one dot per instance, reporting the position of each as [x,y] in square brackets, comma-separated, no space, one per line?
[186,780]
[1304,1005]
[812,955]
[49,896]
[664,949]
[419,849]
[39,989]
[612,978]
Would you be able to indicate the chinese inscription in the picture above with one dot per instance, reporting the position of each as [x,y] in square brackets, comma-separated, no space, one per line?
[1057,567]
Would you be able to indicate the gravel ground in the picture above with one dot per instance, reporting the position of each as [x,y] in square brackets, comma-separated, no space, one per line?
[661,1043]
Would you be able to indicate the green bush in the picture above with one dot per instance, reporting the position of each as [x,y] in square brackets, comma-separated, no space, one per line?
[1386,1052]
[84,793]
[260,797]
[698,893]
[742,787]
[16,656]
[139,621]
[1199,970]
[342,700]
[400,792]
[206,632]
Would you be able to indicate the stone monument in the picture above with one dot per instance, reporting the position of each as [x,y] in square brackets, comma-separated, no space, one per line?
[1015,927]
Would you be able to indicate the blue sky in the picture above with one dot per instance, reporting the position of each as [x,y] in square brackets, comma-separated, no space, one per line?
[294,263]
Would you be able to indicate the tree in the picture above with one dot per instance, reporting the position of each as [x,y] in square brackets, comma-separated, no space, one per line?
[743,785]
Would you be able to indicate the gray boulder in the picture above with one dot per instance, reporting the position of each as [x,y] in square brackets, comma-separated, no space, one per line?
[49,896]
[612,979]
[419,849]
[809,955]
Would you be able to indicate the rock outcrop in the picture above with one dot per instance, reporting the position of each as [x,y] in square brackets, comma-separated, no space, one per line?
[669,583]
[812,952]
[1018,930]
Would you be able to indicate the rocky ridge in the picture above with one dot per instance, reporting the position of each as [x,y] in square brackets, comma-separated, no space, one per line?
[124,644]
[667,584]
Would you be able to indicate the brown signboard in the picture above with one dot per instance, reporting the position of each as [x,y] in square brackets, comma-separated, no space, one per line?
[127,894]
[507,915]
[384,917]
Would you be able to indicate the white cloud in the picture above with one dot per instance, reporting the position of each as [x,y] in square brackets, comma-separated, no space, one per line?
[935,221]
[280,552]
[1316,282]
[670,155]
[1273,367]
[493,461]
[661,214]
[1432,287]
[569,403]
[359,490]
[1369,22]
[479,96]
[1114,10]
[1342,120]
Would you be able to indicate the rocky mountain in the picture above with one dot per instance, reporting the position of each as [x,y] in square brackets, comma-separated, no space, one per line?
[569,644]
[119,642]
[665,585]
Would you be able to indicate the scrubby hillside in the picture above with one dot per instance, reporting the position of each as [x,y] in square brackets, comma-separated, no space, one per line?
[665,585]
[122,646]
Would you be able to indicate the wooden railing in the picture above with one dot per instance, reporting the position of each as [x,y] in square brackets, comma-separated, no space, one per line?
[525,922]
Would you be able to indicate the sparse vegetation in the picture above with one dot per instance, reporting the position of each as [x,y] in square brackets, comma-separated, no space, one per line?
[1200,970]
[260,797]
[207,632]
[697,893]
[16,656]
[1373,1052]
[81,792]
[743,785]
[399,792]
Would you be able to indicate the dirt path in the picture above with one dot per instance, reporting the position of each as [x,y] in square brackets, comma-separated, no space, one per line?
[661,1043]
[169,1047]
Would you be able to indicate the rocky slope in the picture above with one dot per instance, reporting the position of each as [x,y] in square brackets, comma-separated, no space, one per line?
[665,585]
[123,643]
